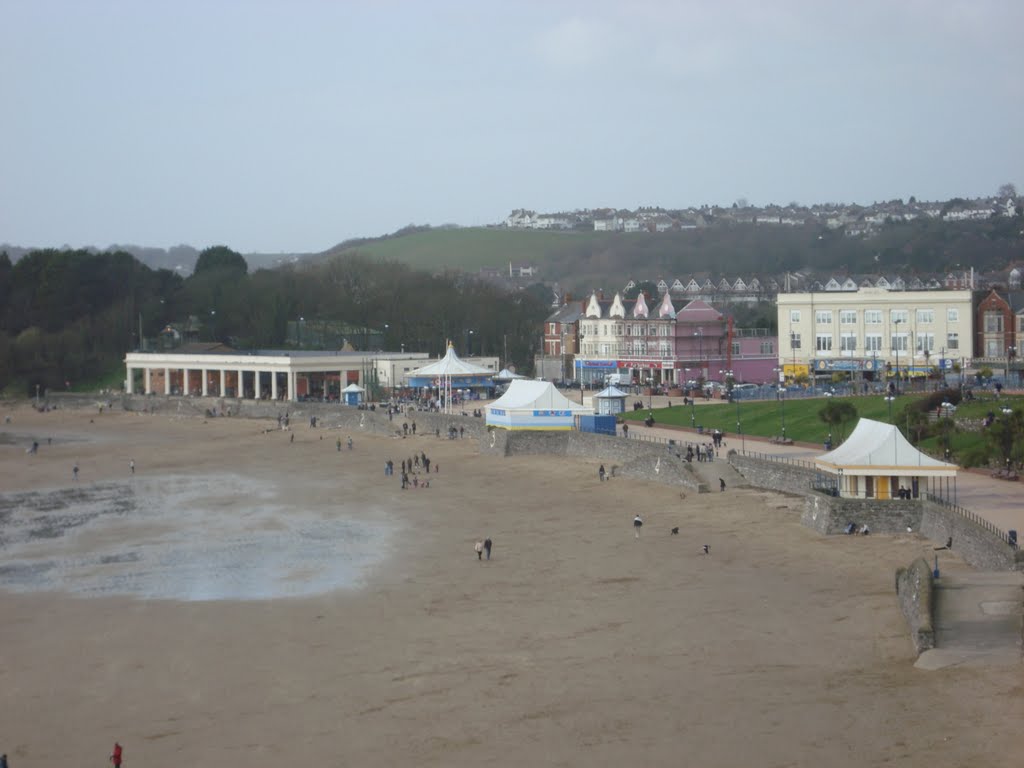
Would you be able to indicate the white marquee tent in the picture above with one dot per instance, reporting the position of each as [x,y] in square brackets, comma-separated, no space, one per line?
[532,404]
[877,460]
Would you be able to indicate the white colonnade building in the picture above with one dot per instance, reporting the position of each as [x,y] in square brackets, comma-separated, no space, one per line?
[213,370]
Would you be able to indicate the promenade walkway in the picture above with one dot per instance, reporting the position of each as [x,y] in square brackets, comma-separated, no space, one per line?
[1001,502]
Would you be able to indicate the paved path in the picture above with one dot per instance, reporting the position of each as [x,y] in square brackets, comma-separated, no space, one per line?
[1000,502]
[977,620]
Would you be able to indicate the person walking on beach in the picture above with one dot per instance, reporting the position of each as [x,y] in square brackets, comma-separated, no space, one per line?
[74,471]
[487,548]
[479,547]
[338,444]
[721,485]
[637,524]
[350,442]
[3,761]
[600,473]
[115,756]
[131,466]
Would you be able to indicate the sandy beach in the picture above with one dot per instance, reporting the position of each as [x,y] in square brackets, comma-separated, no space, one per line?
[575,645]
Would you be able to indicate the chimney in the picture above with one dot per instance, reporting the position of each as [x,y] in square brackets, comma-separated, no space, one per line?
[567,299]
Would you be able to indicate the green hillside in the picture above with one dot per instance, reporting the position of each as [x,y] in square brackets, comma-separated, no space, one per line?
[583,260]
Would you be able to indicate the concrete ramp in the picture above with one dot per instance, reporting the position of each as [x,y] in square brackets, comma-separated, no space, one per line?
[977,620]
[710,471]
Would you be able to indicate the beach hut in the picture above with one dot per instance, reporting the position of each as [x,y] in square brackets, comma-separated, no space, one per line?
[877,462]
[610,401]
[352,394]
[533,405]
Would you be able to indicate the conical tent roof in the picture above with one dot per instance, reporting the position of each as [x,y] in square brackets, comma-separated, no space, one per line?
[877,448]
[506,375]
[529,394]
[450,365]
[353,387]
[611,392]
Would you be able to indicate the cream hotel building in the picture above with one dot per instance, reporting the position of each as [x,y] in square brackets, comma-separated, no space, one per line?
[860,331]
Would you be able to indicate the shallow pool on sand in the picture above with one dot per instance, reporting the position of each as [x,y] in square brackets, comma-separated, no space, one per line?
[202,537]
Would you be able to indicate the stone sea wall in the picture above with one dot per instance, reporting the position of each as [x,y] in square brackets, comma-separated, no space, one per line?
[980,546]
[915,590]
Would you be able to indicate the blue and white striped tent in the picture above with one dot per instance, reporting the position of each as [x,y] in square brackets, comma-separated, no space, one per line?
[533,405]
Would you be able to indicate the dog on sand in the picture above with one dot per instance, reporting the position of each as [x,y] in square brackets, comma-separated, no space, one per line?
[675,531]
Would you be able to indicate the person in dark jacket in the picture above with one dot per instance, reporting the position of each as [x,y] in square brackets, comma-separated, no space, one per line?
[487,548]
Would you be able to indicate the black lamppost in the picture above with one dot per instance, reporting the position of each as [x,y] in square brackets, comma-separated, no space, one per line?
[693,413]
[782,409]
[896,349]
[699,333]
[739,427]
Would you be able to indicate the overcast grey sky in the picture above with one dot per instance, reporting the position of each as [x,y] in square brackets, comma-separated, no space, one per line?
[290,126]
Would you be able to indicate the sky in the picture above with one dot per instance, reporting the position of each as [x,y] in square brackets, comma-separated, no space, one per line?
[292,126]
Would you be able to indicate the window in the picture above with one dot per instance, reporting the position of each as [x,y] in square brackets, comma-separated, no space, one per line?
[767,348]
[551,328]
[823,342]
[794,341]
[926,316]
[925,342]
[993,322]
[794,315]
[952,315]
[952,341]
[848,317]
[735,347]
[873,342]
[899,316]
[823,317]
[848,343]
[993,347]
[873,316]
[898,342]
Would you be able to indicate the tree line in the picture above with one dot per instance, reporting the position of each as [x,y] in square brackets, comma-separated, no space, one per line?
[69,316]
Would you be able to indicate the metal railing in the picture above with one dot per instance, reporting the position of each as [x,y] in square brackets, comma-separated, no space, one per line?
[967,514]
[802,463]
[828,487]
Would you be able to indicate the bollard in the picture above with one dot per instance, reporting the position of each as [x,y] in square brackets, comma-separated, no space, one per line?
[935,573]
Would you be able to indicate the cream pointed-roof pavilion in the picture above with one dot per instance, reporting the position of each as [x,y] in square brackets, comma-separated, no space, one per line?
[879,451]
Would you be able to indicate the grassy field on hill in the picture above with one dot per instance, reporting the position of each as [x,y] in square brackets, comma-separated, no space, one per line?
[582,260]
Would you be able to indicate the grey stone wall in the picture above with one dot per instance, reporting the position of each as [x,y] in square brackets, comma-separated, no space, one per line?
[915,589]
[773,475]
[831,514]
[621,457]
[980,546]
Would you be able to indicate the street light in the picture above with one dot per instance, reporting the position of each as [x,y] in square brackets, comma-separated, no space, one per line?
[896,349]
[1010,352]
[699,333]
[739,428]
[782,408]
[693,411]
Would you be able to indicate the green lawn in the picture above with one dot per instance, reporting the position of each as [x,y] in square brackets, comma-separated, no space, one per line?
[764,417]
